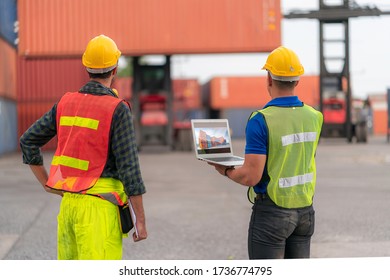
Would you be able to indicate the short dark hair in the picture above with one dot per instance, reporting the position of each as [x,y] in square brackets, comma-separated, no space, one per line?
[285,84]
[100,75]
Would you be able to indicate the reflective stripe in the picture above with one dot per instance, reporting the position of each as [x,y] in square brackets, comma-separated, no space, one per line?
[113,198]
[296,180]
[299,138]
[79,121]
[71,162]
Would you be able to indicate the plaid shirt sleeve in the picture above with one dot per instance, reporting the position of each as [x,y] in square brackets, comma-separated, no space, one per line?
[125,151]
[37,135]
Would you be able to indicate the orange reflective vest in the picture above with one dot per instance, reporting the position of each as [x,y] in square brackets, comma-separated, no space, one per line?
[83,130]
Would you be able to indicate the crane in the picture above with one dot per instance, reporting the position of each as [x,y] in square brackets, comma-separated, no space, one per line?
[336,83]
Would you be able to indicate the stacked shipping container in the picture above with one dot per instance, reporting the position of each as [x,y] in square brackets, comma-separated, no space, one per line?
[251,92]
[41,83]
[53,35]
[63,27]
[8,22]
[237,97]
[8,57]
[8,54]
[8,126]
[379,108]
[8,114]
[186,100]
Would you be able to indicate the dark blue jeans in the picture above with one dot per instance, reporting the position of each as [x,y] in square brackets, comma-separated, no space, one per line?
[279,233]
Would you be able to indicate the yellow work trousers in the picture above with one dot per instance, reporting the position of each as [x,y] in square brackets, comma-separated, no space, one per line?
[88,229]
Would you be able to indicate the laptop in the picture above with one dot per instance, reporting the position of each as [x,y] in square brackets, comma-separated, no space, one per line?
[212,142]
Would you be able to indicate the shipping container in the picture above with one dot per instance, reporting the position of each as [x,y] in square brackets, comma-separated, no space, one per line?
[124,87]
[379,107]
[379,121]
[7,71]
[250,92]
[8,126]
[238,92]
[308,90]
[237,120]
[8,22]
[47,79]
[64,27]
[28,113]
[186,93]
[197,114]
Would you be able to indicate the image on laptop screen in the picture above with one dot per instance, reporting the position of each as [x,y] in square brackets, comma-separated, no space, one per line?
[212,137]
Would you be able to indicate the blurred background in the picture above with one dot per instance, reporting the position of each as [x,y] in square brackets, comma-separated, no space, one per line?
[197,59]
[186,59]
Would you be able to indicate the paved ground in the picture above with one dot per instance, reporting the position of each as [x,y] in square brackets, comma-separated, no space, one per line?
[194,213]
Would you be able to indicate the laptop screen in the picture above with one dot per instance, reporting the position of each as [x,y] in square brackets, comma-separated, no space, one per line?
[211,136]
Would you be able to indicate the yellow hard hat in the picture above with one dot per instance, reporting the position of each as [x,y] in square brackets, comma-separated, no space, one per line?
[101,55]
[283,65]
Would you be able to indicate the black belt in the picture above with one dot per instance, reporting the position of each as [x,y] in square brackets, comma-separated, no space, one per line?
[262,196]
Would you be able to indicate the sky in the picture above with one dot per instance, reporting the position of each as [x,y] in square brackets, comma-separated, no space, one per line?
[369,50]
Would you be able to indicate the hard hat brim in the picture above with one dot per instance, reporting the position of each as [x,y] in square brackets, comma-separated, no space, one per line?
[100,70]
[284,78]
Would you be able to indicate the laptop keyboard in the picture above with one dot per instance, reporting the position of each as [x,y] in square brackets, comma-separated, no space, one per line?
[221,159]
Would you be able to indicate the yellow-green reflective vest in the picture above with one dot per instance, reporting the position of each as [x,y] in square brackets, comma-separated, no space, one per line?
[293,134]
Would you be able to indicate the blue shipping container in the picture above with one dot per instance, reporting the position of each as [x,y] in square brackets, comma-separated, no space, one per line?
[8,126]
[8,20]
[237,120]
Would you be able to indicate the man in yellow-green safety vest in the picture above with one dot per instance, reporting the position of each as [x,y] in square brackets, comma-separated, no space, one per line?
[279,166]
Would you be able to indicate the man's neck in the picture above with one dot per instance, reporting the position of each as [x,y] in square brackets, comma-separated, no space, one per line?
[285,93]
[104,82]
